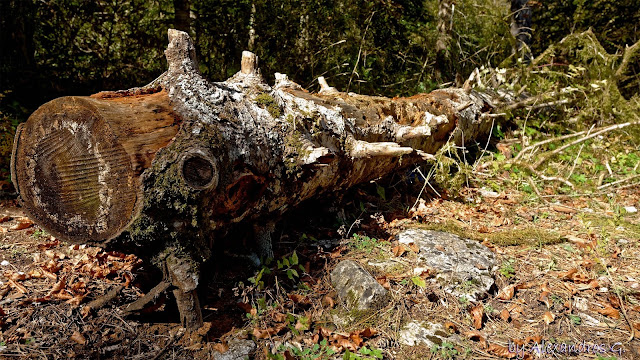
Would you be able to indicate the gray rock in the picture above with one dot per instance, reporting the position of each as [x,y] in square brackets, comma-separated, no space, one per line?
[239,349]
[418,332]
[357,288]
[464,267]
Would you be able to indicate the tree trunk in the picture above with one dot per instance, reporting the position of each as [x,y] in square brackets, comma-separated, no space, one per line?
[445,20]
[182,15]
[521,28]
[170,167]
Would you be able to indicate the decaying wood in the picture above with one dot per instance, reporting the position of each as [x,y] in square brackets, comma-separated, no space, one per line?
[174,166]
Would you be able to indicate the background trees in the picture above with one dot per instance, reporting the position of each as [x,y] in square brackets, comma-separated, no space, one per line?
[62,47]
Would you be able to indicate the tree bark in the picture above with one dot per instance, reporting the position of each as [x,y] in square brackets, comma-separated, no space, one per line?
[170,167]
[521,28]
[182,15]
[445,21]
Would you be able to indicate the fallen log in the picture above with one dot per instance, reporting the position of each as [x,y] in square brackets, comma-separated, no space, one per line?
[171,167]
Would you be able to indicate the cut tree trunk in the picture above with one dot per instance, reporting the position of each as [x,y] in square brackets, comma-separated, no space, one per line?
[173,166]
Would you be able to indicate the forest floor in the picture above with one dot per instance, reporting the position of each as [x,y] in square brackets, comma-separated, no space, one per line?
[568,274]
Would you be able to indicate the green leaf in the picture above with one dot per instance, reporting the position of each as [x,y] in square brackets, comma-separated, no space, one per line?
[381,192]
[419,282]
[294,258]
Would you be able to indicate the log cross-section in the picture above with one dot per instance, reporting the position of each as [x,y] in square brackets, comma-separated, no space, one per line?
[83,157]
[170,167]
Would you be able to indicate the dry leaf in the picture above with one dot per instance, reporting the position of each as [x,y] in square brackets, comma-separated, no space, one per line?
[505,315]
[18,276]
[563,209]
[382,280]
[609,311]
[17,286]
[569,274]
[476,335]
[57,287]
[399,250]
[534,339]
[548,317]
[477,313]
[345,344]
[300,299]
[415,248]
[356,339]
[368,332]
[501,351]
[76,300]
[78,338]
[324,332]
[279,317]
[450,327]
[4,218]
[221,347]
[328,301]
[615,301]
[23,223]
[544,296]
[507,292]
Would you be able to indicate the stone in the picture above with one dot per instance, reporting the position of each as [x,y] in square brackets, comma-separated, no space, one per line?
[239,349]
[419,332]
[463,267]
[357,288]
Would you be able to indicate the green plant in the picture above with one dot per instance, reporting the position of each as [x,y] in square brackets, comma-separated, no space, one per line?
[507,270]
[363,242]
[288,265]
[418,281]
[319,351]
[38,233]
[575,319]
[446,350]
[367,354]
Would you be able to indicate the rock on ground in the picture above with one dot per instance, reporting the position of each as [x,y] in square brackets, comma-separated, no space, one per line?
[464,267]
[419,332]
[357,288]
[239,349]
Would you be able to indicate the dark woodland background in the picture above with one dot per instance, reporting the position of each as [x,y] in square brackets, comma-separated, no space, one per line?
[51,48]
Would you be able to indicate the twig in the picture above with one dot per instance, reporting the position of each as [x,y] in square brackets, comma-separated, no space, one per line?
[578,141]
[149,297]
[103,300]
[536,190]
[624,311]
[550,178]
[575,161]
[618,182]
[563,137]
[171,341]
[360,50]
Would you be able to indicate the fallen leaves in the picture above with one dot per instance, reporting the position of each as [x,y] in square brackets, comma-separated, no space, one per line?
[548,317]
[505,315]
[78,338]
[563,209]
[23,223]
[608,310]
[544,295]
[477,314]
[507,292]
[398,250]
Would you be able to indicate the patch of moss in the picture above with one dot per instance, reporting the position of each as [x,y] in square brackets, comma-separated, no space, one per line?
[530,235]
[296,149]
[614,225]
[267,101]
